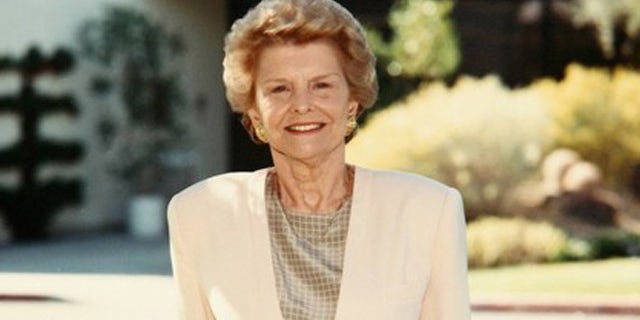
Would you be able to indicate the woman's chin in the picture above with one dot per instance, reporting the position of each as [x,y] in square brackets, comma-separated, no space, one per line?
[311,152]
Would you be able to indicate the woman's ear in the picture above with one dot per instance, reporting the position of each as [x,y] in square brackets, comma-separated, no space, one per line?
[352,108]
[254,116]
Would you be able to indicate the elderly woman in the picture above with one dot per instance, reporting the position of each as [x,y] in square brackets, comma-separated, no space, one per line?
[313,237]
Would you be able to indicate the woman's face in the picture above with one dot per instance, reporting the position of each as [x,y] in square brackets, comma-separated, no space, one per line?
[302,99]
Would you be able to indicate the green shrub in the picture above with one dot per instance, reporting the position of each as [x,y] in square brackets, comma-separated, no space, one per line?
[615,244]
[608,244]
[493,241]
[576,249]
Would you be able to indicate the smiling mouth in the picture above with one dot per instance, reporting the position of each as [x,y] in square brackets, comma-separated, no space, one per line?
[304,128]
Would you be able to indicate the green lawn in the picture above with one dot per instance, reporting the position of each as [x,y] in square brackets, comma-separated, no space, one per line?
[611,277]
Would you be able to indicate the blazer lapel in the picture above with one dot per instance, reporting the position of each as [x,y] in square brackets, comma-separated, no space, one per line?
[353,277]
[266,296]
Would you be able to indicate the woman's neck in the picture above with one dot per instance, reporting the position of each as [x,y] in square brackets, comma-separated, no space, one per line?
[313,188]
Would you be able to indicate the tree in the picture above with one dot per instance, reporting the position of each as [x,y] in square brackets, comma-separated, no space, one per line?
[422,46]
[138,58]
[617,25]
[29,209]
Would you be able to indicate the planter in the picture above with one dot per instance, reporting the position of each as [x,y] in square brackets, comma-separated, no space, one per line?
[146,217]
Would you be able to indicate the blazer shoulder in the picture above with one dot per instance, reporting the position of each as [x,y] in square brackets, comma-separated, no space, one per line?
[221,185]
[219,198]
[406,182]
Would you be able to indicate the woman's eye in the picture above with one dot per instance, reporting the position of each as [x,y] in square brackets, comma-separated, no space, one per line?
[278,89]
[322,85]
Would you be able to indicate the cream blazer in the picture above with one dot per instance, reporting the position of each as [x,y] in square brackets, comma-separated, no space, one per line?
[405,256]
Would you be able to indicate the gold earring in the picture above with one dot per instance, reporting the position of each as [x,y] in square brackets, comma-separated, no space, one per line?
[351,124]
[261,133]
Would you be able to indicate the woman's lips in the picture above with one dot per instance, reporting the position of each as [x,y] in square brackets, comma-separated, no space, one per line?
[304,128]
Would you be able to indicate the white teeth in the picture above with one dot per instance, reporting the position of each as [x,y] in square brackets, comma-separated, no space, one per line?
[305,127]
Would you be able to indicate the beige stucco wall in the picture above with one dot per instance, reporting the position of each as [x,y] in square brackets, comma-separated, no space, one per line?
[203,24]
[50,24]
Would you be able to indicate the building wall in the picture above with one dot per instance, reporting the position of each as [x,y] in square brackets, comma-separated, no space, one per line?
[203,25]
[520,40]
[52,24]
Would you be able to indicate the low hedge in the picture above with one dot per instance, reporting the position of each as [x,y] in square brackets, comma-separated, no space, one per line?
[494,241]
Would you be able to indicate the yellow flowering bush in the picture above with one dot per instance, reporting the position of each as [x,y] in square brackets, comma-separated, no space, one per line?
[484,138]
[597,113]
[478,136]
[493,241]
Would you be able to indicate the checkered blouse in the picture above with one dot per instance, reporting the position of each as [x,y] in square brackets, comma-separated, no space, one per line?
[307,253]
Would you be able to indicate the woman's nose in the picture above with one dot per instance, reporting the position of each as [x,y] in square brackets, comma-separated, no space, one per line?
[301,101]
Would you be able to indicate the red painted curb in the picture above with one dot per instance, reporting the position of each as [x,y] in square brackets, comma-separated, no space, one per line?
[557,308]
[10,297]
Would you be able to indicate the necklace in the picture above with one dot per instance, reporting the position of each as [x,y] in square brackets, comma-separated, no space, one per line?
[314,228]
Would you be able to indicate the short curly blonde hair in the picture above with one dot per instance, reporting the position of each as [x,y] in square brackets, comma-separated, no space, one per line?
[296,21]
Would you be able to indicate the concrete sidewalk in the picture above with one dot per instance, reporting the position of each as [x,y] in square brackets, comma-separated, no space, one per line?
[112,253]
[73,296]
[87,277]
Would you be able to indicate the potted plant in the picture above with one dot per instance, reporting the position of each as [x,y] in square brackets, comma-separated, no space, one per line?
[137,61]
